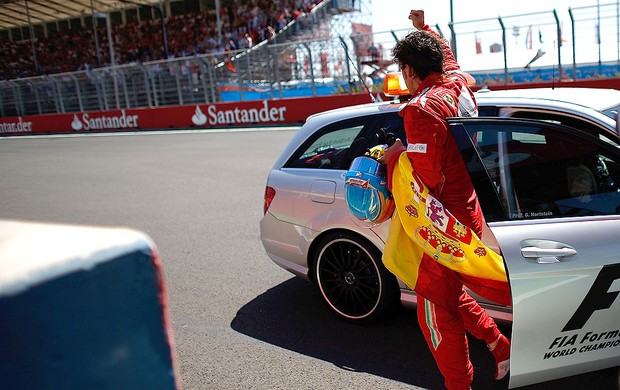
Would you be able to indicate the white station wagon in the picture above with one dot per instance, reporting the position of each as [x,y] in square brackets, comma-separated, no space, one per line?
[546,167]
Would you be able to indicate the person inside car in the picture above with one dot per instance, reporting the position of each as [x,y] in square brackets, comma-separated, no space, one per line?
[581,182]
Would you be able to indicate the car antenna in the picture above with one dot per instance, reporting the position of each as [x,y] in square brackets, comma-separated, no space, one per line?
[346,52]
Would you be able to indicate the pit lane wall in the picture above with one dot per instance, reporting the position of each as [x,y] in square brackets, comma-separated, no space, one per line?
[198,116]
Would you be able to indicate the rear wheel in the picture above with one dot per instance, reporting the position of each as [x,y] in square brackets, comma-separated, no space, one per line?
[352,278]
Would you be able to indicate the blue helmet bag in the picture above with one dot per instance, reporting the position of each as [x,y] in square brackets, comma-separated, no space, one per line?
[366,190]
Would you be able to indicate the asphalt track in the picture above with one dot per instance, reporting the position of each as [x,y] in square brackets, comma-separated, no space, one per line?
[240,322]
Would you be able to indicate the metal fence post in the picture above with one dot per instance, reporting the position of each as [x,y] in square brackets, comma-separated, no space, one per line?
[123,76]
[78,92]
[2,109]
[277,76]
[559,35]
[271,63]
[61,101]
[346,50]
[209,68]
[147,86]
[572,27]
[36,94]
[394,36]
[240,82]
[311,68]
[501,23]
[203,82]
[178,83]
[441,33]
[18,104]
[101,92]
[248,54]
[453,39]
[154,87]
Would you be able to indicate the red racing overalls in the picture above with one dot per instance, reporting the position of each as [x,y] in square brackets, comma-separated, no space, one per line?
[445,310]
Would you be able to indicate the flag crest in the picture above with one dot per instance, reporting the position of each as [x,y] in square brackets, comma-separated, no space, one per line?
[421,226]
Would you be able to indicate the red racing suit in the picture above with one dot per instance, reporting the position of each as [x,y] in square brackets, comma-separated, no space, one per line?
[445,309]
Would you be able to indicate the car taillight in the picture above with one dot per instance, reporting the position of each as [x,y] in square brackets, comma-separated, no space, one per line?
[269,195]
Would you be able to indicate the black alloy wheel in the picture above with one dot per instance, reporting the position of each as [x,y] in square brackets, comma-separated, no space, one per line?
[353,280]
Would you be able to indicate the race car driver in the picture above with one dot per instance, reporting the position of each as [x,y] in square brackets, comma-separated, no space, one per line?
[439,90]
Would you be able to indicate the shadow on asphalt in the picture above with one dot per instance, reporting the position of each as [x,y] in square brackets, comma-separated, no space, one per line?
[293,316]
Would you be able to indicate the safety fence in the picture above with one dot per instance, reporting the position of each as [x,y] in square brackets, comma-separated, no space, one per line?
[580,43]
[306,59]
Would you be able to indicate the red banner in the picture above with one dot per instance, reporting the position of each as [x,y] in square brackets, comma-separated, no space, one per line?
[199,116]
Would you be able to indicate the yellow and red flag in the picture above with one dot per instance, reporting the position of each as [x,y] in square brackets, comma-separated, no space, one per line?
[422,228]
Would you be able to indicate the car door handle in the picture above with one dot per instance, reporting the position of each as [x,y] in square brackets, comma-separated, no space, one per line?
[547,255]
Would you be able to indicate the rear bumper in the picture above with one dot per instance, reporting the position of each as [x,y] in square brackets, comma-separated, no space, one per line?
[285,244]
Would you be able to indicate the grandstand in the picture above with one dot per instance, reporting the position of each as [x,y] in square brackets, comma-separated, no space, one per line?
[65,45]
[73,64]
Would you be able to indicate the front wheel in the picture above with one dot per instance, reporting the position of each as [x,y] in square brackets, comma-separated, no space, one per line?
[352,278]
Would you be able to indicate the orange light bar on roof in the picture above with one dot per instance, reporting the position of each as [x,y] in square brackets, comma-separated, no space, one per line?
[471,81]
[394,85]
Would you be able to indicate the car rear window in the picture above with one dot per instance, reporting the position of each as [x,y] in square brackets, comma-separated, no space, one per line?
[336,145]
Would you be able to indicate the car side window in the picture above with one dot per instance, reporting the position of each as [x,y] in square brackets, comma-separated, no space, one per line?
[567,120]
[549,172]
[329,150]
[336,145]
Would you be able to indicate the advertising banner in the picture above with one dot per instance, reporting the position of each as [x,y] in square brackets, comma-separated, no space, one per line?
[198,116]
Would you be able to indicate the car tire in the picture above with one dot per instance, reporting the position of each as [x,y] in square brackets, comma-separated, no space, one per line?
[352,279]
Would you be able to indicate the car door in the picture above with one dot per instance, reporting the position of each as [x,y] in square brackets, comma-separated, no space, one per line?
[550,195]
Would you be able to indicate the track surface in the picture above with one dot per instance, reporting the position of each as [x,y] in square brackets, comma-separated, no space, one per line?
[240,322]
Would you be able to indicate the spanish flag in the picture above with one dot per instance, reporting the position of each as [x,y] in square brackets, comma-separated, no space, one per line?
[423,230]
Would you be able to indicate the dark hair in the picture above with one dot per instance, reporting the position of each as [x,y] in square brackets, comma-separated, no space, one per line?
[422,51]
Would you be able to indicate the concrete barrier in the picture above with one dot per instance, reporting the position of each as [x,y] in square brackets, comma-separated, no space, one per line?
[82,308]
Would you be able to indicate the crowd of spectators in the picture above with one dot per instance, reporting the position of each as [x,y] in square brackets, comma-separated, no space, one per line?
[244,24]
